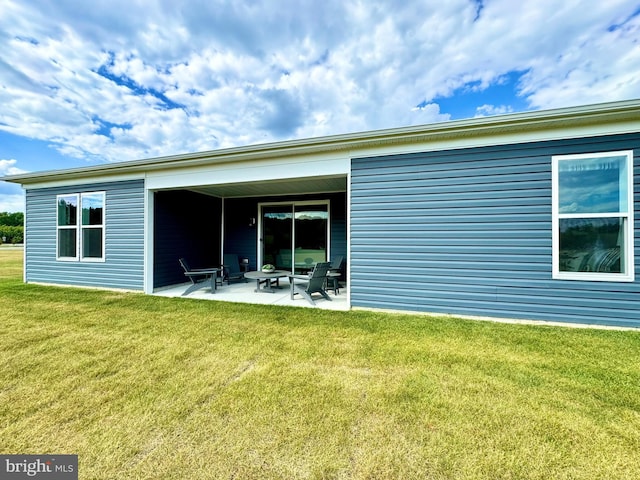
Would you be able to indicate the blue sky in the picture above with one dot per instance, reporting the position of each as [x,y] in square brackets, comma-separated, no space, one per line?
[83,83]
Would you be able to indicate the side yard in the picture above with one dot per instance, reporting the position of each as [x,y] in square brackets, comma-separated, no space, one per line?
[147,387]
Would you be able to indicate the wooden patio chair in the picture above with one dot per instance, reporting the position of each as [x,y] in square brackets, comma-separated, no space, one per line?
[200,278]
[314,282]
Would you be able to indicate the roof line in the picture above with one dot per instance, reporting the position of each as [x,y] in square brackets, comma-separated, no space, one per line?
[530,120]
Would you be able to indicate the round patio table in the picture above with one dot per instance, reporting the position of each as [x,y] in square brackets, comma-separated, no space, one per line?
[270,280]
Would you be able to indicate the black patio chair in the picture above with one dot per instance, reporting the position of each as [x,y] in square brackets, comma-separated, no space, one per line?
[314,282]
[231,270]
[200,278]
[334,274]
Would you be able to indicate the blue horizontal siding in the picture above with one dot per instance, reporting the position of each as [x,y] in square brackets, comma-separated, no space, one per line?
[180,232]
[469,232]
[124,241]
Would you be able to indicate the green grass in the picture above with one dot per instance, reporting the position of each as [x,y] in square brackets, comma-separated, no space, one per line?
[145,387]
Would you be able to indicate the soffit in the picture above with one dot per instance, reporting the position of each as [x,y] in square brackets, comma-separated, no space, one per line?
[294,186]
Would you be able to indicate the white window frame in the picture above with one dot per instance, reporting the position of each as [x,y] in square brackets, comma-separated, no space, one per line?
[628,264]
[75,258]
[83,228]
[80,228]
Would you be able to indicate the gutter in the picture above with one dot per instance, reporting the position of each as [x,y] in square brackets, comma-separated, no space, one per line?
[614,112]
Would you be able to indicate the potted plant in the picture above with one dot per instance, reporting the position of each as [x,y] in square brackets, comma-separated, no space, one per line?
[268,268]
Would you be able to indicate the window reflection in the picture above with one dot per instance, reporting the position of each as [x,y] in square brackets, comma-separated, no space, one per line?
[595,185]
[67,210]
[92,243]
[92,207]
[592,245]
[67,242]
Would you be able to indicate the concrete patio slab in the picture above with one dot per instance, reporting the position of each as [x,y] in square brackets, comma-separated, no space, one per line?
[241,292]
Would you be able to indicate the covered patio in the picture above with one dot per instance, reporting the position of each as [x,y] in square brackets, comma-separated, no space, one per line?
[241,292]
[291,224]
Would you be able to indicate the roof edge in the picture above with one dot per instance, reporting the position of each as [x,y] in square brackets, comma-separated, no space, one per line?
[536,119]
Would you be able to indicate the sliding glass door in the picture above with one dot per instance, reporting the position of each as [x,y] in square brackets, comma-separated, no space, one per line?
[294,236]
[277,235]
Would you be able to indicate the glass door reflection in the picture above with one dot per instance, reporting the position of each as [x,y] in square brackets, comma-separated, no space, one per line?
[294,235]
[277,231]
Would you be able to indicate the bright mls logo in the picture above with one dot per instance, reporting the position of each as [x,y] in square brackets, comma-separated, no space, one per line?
[50,467]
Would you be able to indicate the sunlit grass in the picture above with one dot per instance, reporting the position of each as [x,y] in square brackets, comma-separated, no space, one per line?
[148,388]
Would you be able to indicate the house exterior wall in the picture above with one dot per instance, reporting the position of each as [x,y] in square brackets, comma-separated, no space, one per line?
[186,225]
[123,267]
[239,237]
[338,225]
[469,232]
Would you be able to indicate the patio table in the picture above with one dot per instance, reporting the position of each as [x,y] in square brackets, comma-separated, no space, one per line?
[270,280]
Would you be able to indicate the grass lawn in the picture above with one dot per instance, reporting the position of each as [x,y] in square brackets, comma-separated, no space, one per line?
[145,387]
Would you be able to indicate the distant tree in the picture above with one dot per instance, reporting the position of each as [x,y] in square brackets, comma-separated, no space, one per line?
[12,219]
[11,227]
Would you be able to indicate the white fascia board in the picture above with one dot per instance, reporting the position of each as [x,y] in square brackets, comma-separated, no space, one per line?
[493,138]
[590,120]
[318,165]
[83,181]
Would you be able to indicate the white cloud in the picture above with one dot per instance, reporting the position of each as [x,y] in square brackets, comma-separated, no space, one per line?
[8,167]
[485,110]
[198,75]
[608,72]
[12,203]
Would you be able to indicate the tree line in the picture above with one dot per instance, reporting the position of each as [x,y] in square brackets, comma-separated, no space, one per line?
[11,227]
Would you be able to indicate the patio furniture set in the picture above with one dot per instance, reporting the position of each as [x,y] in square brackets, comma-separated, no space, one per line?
[324,276]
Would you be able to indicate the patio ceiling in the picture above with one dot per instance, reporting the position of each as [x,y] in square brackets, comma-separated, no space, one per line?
[291,186]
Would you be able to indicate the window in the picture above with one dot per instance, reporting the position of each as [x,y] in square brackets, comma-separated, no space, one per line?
[81,226]
[593,216]
[68,226]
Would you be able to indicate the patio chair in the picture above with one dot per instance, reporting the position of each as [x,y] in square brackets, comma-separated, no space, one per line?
[335,272]
[314,282]
[231,270]
[336,264]
[200,278]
